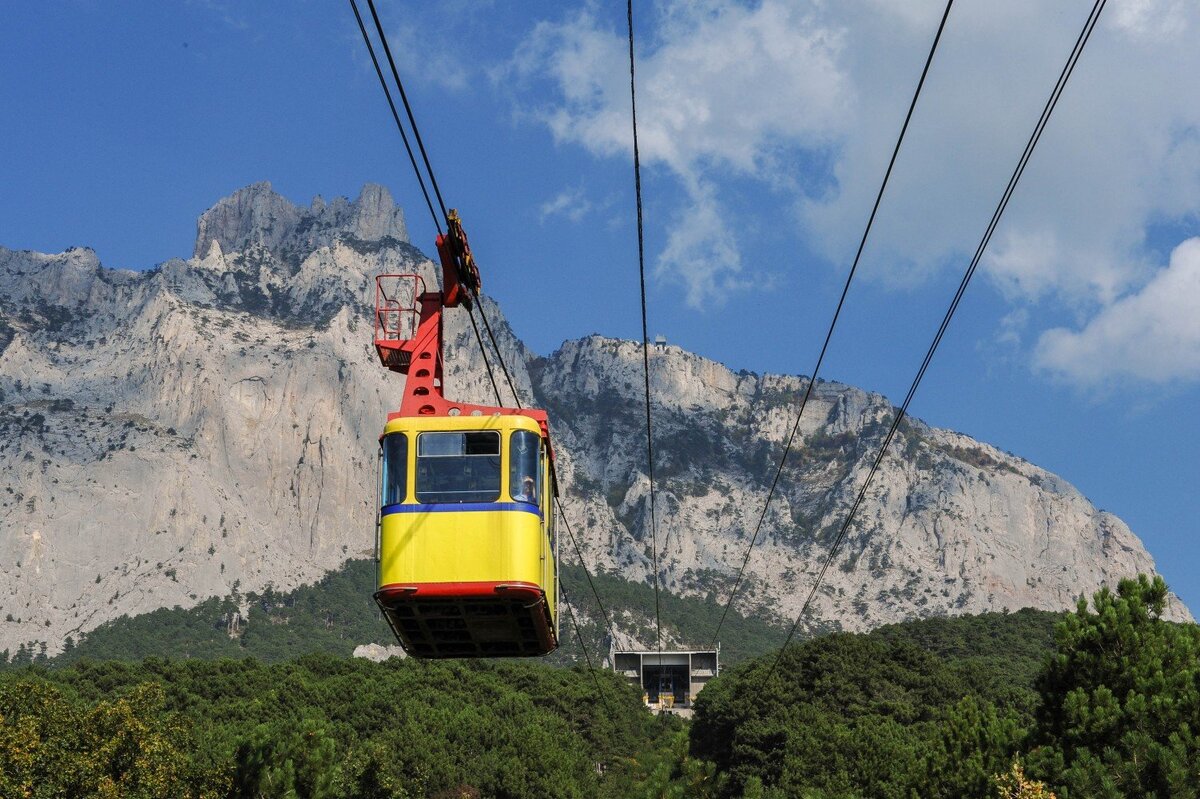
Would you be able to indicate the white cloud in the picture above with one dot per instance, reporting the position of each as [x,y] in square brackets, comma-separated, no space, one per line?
[422,58]
[701,88]
[720,87]
[701,250]
[1031,262]
[571,203]
[1012,327]
[226,12]
[1119,153]
[1151,18]
[806,99]
[1152,335]
[429,44]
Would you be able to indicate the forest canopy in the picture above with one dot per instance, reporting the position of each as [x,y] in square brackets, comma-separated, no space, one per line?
[1103,702]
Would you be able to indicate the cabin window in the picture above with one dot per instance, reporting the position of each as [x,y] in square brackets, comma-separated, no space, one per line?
[458,467]
[524,473]
[395,468]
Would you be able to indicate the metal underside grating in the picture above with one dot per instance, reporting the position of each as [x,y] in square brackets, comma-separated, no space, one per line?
[449,627]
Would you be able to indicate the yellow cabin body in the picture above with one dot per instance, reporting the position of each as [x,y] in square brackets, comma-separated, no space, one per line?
[465,544]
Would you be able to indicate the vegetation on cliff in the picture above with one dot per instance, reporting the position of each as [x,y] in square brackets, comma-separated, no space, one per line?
[336,614]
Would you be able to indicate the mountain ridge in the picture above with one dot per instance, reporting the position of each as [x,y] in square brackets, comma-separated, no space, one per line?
[169,433]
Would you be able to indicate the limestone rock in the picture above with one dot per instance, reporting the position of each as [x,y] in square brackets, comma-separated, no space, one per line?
[257,216]
[377,653]
[211,425]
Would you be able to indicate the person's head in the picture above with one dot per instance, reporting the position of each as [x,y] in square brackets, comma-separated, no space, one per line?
[527,486]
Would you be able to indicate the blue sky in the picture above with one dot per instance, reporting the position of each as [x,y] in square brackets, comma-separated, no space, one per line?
[765,129]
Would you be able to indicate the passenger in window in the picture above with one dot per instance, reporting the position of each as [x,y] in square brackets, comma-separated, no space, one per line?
[528,491]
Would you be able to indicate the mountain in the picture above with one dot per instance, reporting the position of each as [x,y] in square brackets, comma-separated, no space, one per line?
[209,426]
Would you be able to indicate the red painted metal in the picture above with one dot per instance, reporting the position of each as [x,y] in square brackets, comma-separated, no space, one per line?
[408,332]
[486,590]
[397,317]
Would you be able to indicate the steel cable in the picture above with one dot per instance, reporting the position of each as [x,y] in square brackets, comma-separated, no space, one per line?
[1023,161]
[396,116]
[586,657]
[586,572]
[833,323]
[488,366]
[437,224]
[637,182]
[412,120]
[416,169]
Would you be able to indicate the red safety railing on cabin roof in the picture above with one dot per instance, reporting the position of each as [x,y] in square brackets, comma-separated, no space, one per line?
[397,315]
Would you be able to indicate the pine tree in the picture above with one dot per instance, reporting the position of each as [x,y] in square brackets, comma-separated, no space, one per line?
[1121,699]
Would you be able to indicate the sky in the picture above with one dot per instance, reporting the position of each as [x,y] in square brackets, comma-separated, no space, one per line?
[764,130]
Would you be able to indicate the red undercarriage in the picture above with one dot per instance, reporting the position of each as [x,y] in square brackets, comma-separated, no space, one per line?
[477,619]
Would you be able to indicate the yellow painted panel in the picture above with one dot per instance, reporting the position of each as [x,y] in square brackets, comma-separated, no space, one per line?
[413,425]
[467,546]
[423,423]
[462,546]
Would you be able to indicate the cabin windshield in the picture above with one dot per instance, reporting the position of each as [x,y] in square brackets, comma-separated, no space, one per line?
[395,469]
[523,473]
[458,467]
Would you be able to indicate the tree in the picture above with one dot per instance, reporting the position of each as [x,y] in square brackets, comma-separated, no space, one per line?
[288,759]
[40,733]
[966,749]
[51,745]
[1015,785]
[1121,699]
[854,715]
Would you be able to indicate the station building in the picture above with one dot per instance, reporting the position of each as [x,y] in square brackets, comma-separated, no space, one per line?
[669,680]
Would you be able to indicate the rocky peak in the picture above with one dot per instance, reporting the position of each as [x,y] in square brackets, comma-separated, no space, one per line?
[257,215]
[374,215]
[253,215]
[176,434]
[260,253]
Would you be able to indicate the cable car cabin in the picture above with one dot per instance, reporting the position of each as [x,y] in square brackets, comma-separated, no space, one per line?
[467,563]
[465,546]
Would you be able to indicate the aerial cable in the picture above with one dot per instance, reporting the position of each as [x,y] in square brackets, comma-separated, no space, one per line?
[437,224]
[417,170]
[412,121]
[491,377]
[582,645]
[832,324]
[637,183]
[579,553]
[488,326]
[557,503]
[1023,161]
[396,116]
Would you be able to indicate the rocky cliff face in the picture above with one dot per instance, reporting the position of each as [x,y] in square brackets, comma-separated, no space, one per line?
[950,525]
[170,435]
